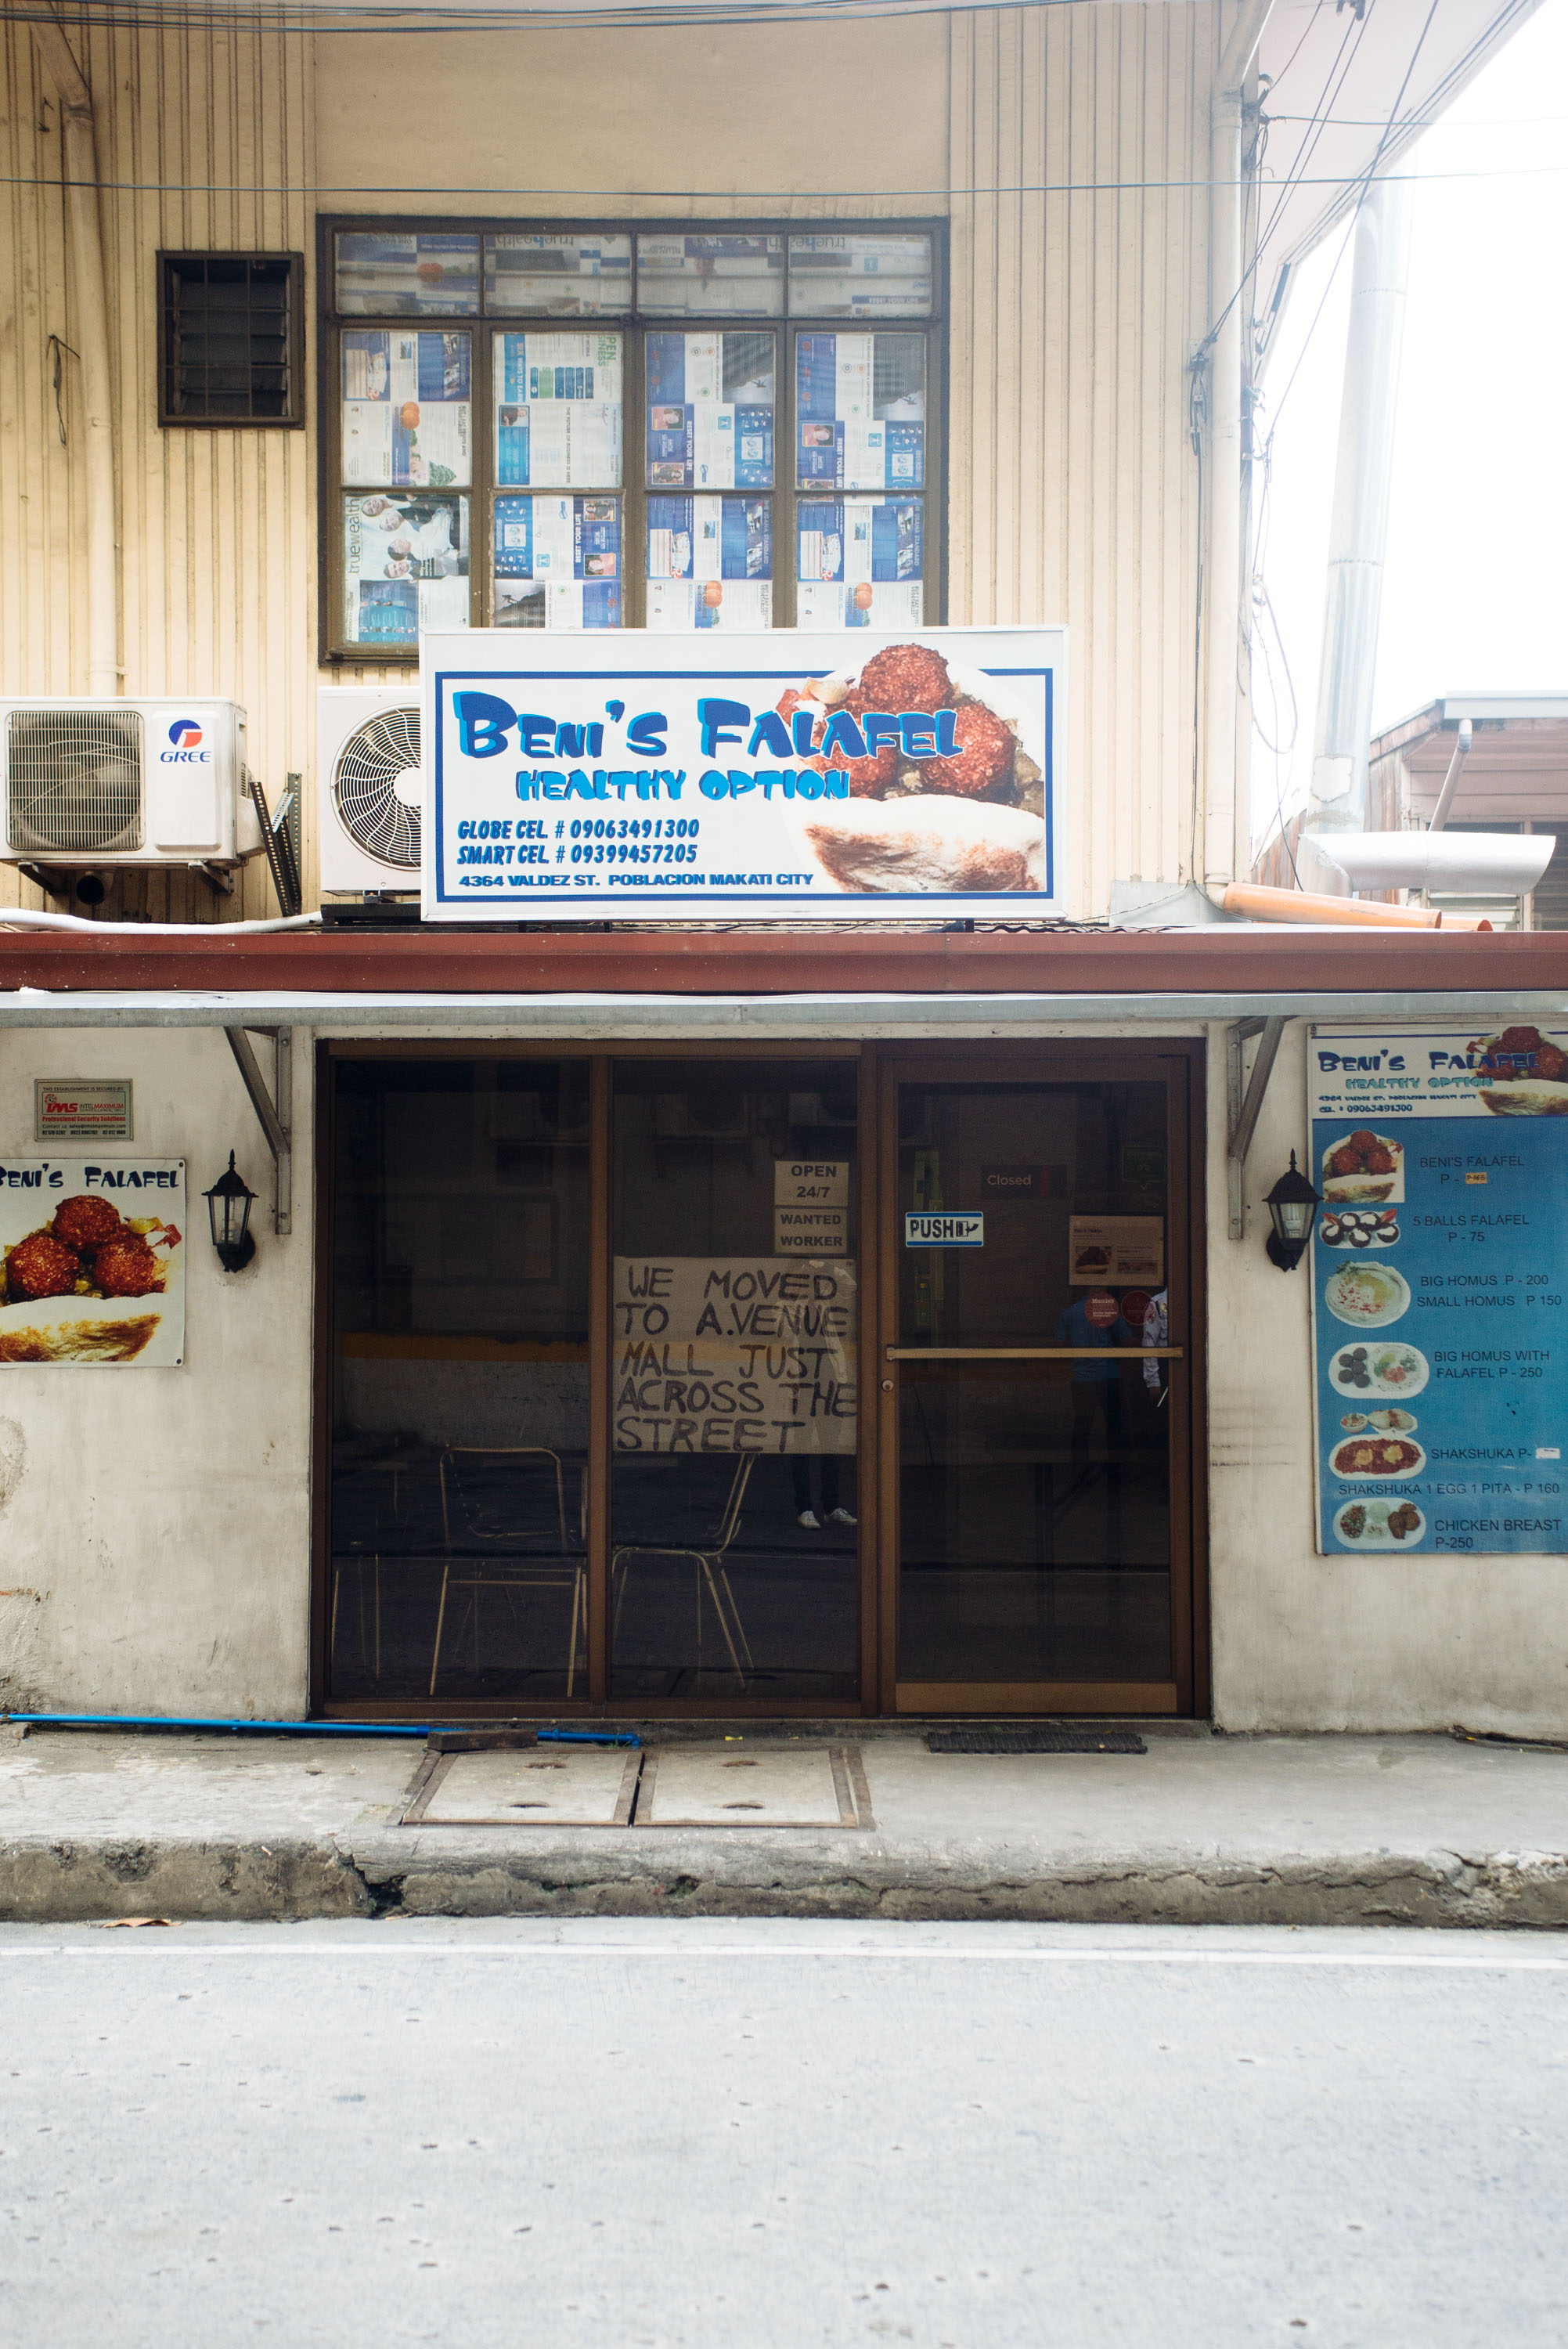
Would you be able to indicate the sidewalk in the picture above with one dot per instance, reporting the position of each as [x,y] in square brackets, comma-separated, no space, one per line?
[1201,1829]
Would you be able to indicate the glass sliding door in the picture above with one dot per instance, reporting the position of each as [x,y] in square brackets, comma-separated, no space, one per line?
[734,1498]
[457,1570]
[1041,1398]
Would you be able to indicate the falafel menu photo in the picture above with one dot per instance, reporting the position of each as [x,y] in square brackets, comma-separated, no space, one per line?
[92,1261]
[845,774]
[1440,1302]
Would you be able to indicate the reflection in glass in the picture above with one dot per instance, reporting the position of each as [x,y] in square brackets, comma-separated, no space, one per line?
[1035,1496]
[385,273]
[734,1362]
[860,277]
[459,1381]
[578,275]
[710,276]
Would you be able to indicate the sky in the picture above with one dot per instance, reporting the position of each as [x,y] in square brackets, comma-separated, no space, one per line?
[1474,594]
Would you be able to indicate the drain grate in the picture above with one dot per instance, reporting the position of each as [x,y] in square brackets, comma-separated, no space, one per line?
[1035,1741]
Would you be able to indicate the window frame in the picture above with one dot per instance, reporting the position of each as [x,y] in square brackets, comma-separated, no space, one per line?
[634,325]
[296,416]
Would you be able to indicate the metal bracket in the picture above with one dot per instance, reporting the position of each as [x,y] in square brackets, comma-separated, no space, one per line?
[1242,1108]
[274,1110]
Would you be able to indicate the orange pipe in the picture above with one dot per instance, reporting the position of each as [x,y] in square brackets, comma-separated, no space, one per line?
[1264,904]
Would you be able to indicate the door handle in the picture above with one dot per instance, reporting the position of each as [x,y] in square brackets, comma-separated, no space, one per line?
[1032,1353]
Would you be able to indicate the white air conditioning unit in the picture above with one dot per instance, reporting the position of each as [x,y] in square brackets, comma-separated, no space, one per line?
[370,792]
[103,783]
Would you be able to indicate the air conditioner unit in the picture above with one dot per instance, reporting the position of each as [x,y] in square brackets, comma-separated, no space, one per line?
[102,784]
[369,789]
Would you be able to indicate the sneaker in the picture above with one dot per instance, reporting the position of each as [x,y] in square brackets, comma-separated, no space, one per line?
[809,1518]
[842,1517]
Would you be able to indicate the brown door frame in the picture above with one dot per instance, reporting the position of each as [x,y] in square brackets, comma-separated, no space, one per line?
[1179,1063]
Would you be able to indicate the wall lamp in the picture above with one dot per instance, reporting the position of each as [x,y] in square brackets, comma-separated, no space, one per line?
[1293,1205]
[229,1203]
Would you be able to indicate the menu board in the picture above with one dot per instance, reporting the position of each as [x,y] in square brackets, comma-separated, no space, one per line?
[860,563]
[710,563]
[406,418]
[710,411]
[557,562]
[859,409]
[734,1354]
[558,411]
[1439,1299]
[405,566]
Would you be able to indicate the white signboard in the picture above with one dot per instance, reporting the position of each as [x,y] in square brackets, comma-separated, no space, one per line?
[93,1260]
[846,774]
[734,1354]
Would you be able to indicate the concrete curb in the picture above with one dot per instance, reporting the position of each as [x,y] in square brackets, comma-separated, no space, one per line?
[627,1874]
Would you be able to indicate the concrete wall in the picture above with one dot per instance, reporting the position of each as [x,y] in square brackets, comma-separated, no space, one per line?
[1302,1641]
[1072,487]
[155,1524]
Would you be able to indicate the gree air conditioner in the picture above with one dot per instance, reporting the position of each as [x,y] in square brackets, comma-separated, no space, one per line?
[106,784]
[369,789]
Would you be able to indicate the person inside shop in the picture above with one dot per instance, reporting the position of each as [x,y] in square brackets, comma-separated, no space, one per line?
[831,1511]
[1094,1319]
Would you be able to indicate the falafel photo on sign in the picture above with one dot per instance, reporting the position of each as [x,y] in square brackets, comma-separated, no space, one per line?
[92,1260]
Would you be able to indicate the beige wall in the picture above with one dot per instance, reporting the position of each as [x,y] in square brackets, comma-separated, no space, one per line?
[1072,487]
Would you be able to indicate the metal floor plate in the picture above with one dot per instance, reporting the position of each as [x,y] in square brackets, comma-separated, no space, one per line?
[716,1786]
[527,1787]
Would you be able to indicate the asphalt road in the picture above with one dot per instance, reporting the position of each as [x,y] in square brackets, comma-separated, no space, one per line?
[769,2136]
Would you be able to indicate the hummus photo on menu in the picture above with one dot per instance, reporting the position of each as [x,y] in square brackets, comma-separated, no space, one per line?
[1366,1295]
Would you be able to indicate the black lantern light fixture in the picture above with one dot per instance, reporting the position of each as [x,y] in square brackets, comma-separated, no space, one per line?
[229,1203]
[1293,1205]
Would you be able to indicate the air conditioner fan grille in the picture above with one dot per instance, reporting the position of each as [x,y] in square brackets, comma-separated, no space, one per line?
[74,781]
[376,758]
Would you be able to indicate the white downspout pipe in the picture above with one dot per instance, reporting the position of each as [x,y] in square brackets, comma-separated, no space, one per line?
[1226,845]
[89,329]
[1359,536]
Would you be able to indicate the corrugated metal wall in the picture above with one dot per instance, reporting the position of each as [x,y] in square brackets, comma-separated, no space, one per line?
[1072,486]
[1073,489]
[216,527]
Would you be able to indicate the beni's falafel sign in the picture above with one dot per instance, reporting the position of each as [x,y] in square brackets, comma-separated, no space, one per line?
[585,775]
[92,1260]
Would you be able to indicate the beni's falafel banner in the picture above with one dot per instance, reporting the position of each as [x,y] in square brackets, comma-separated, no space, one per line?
[846,774]
[92,1260]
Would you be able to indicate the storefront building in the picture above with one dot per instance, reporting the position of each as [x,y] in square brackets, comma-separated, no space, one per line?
[529,1409]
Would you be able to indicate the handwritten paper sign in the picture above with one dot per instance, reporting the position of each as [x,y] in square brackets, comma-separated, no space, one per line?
[734,1354]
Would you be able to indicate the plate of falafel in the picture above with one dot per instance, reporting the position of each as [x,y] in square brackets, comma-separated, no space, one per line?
[953,820]
[90,1285]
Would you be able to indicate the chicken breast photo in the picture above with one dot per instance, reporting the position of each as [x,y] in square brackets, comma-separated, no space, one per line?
[928,843]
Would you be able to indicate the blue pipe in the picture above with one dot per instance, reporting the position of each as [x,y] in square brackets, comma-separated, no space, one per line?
[261,1728]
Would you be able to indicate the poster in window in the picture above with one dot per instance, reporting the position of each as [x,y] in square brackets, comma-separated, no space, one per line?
[859,562]
[558,411]
[407,413]
[859,411]
[710,411]
[92,1261]
[557,563]
[405,566]
[766,1350]
[710,563]
[384,272]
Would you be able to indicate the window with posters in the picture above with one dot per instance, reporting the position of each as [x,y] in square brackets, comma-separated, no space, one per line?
[650,425]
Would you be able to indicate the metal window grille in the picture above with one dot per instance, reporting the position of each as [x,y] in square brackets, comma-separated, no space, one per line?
[233,342]
[73,781]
